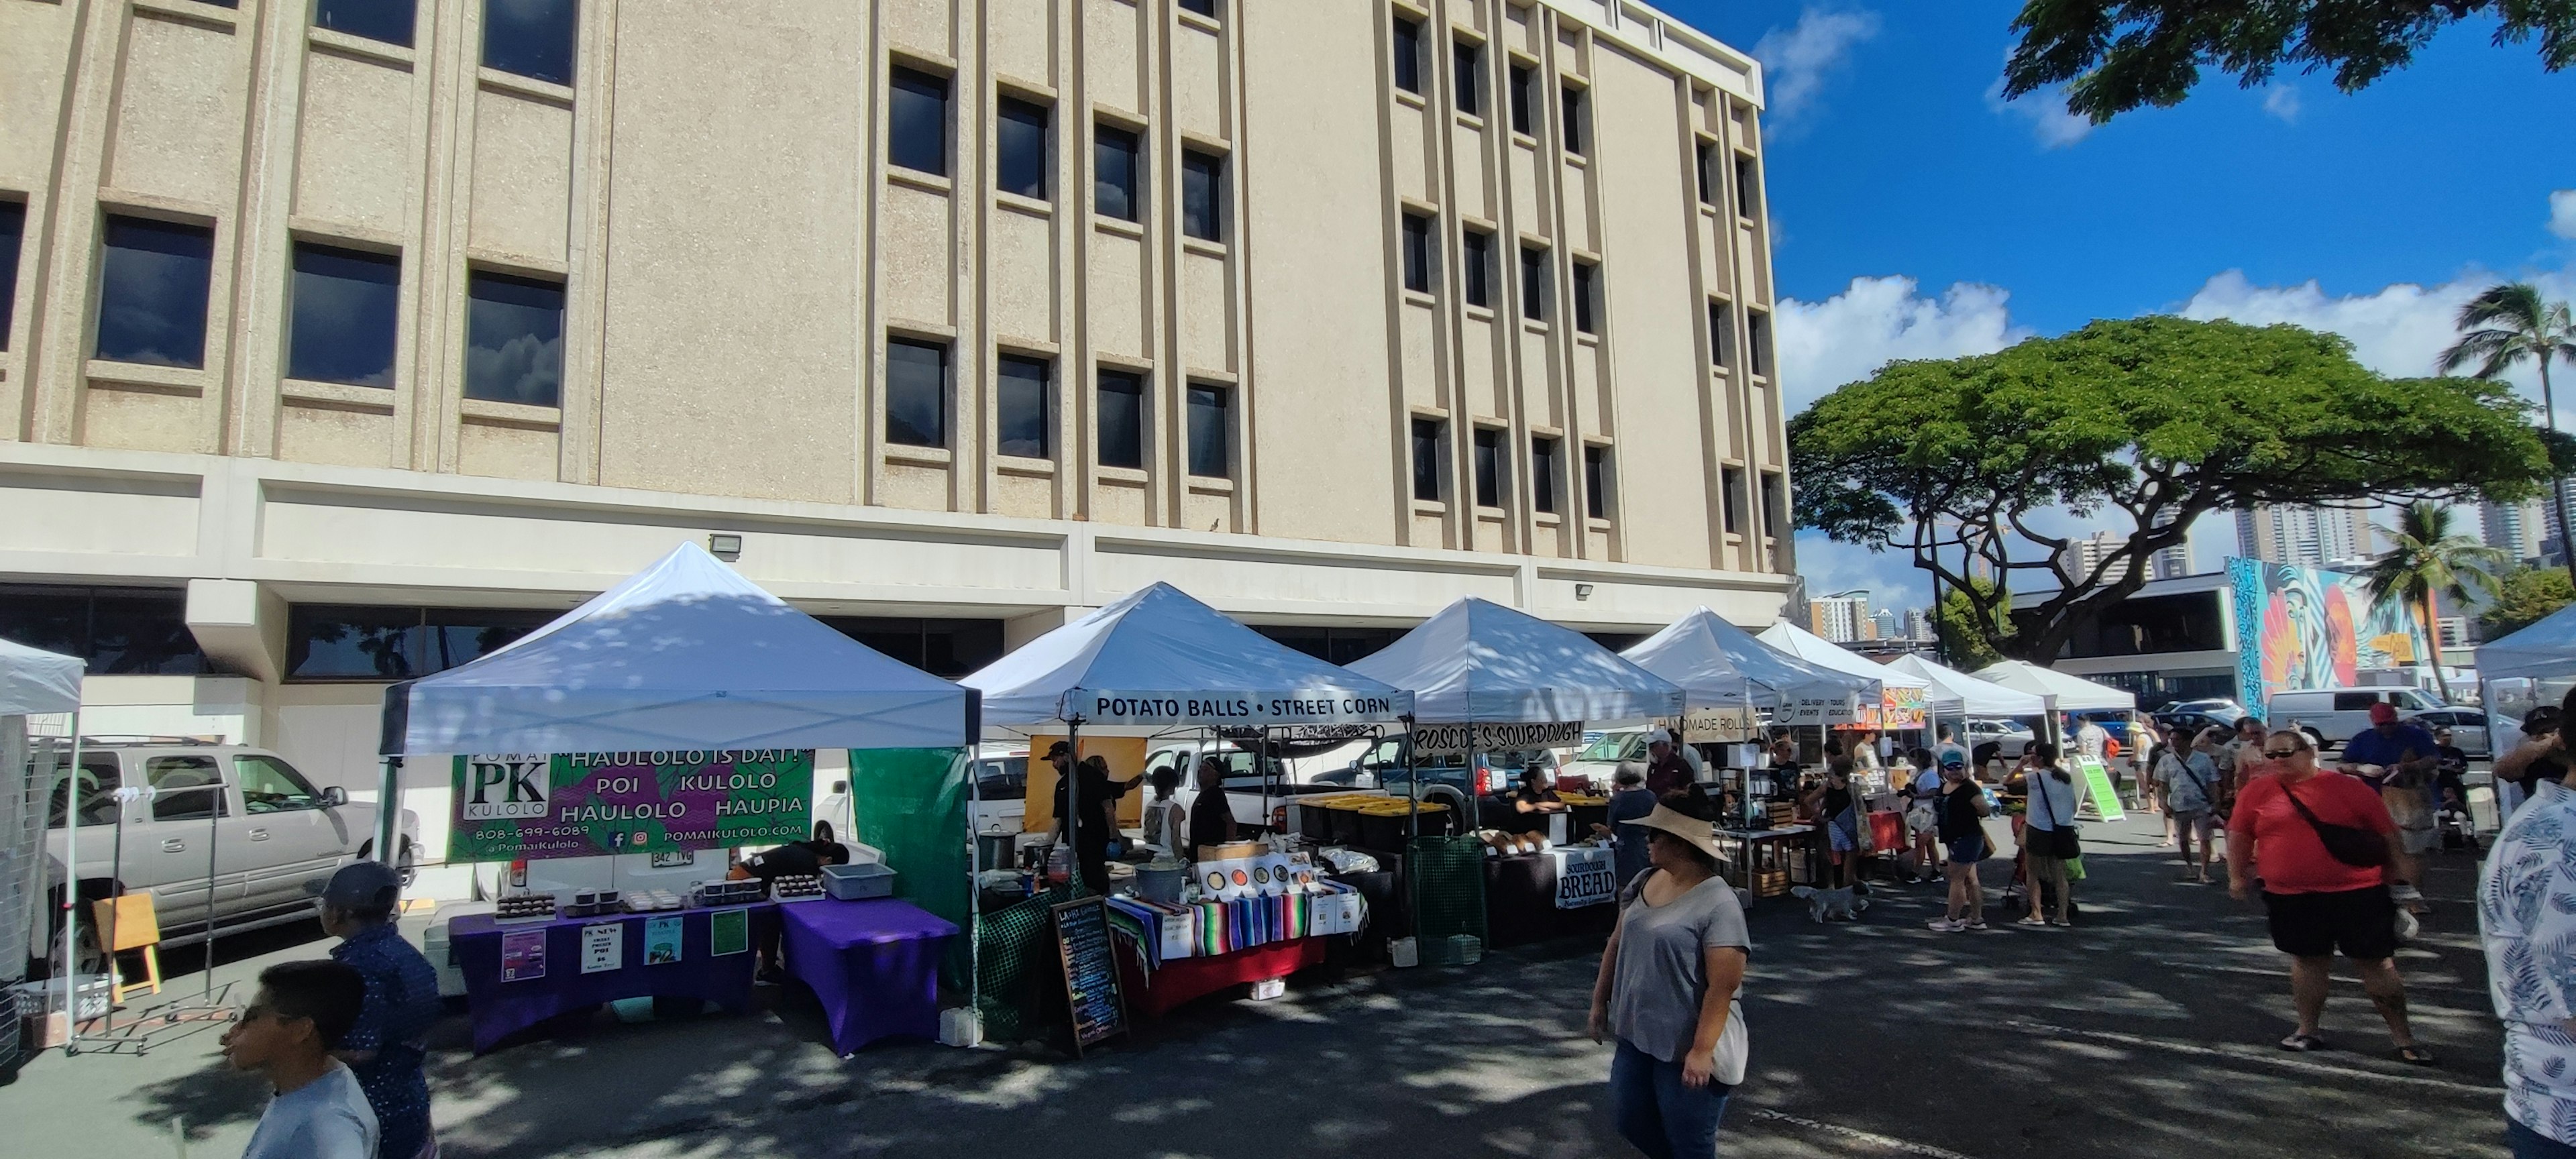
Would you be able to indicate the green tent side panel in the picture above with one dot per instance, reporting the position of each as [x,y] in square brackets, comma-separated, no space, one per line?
[911,804]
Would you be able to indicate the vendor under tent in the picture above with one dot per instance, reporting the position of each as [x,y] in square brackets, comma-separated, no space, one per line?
[2543,651]
[33,682]
[685,659]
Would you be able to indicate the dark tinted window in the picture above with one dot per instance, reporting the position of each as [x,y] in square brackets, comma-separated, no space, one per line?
[945,648]
[1587,290]
[1734,498]
[343,328]
[1489,467]
[1202,196]
[1021,399]
[1533,283]
[99,779]
[2354,701]
[1476,267]
[1470,67]
[152,292]
[917,121]
[1759,356]
[1020,147]
[1426,459]
[13,237]
[1122,419]
[1748,189]
[1524,103]
[1118,182]
[1211,432]
[1335,646]
[1544,473]
[335,642]
[1707,157]
[119,631]
[1596,481]
[1573,117]
[1417,253]
[1205,8]
[386,20]
[1408,55]
[186,788]
[2146,625]
[916,393]
[531,37]
[1775,504]
[514,339]
[1721,334]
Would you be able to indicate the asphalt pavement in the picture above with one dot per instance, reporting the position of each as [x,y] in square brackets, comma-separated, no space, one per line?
[2148,1030]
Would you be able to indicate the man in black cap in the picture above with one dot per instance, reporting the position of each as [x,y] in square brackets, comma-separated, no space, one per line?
[386,1045]
[1097,810]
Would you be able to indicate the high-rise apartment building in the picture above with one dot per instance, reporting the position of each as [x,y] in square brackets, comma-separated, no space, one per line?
[2081,556]
[2517,529]
[2305,536]
[1918,625]
[342,341]
[1841,619]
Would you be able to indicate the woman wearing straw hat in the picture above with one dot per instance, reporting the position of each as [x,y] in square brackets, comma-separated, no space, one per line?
[1667,988]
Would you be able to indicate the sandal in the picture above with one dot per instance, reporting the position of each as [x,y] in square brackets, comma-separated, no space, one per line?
[2303,1043]
[2414,1054]
[2031,921]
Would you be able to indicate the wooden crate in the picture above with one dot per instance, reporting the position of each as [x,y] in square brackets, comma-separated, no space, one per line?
[1771,883]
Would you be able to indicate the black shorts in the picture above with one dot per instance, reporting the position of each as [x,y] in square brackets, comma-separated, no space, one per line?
[2360,922]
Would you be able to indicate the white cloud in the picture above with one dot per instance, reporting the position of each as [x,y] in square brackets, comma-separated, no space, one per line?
[2050,122]
[1874,321]
[2282,101]
[2398,330]
[2562,213]
[1797,61]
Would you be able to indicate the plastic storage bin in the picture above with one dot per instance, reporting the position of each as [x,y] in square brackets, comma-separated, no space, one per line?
[858,881]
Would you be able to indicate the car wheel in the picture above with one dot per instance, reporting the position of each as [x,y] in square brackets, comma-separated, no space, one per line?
[2315,738]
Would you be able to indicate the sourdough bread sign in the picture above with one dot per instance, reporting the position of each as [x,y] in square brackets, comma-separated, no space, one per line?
[1449,740]
[1230,709]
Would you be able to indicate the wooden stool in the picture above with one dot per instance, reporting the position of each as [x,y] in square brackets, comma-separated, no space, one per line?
[127,923]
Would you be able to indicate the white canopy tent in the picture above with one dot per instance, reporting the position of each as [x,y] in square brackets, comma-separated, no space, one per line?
[1478,662]
[2542,651]
[1953,694]
[1719,665]
[2072,693]
[1817,650]
[34,682]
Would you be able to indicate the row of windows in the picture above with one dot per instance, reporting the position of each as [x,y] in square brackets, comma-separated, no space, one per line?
[532,38]
[918,122]
[1431,475]
[119,631]
[918,405]
[1467,62]
[1476,273]
[342,642]
[342,311]
[1721,339]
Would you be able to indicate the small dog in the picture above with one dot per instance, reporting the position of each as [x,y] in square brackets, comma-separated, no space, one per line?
[1830,905]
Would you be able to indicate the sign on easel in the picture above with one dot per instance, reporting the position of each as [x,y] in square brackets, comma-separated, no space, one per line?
[1090,973]
[2097,781]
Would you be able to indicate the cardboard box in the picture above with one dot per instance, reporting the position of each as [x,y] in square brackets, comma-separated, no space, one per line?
[1336,910]
[1230,851]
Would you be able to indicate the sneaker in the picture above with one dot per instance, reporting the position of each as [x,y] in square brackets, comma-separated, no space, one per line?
[1947,926]
[1975,927]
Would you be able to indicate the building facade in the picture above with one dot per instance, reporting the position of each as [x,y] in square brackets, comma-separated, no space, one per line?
[2517,529]
[2305,536]
[347,339]
[1841,619]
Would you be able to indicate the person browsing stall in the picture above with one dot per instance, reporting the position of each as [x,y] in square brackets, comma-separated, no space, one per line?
[2400,760]
[316,1109]
[1837,811]
[1668,988]
[1922,811]
[1630,800]
[2047,837]
[388,1041]
[2194,793]
[1211,815]
[1666,769]
[2526,915]
[2542,756]
[1963,810]
[1097,819]
[1167,823]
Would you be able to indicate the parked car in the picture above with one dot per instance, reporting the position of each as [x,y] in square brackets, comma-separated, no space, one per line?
[1448,778]
[2216,706]
[1599,760]
[2194,722]
[2010,737]
[228,825]
[1332,769]
[1001,787]
[2335,715]
[2468,729]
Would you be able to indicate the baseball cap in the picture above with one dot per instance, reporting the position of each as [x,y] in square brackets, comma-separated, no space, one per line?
[1952,760]
[2383,713]
[2542,720]
[363,885]
[1659,736]
[1058,749]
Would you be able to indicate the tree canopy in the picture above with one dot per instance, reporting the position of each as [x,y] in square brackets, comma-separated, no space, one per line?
[2117,55]
[1962,461]
[2525,597]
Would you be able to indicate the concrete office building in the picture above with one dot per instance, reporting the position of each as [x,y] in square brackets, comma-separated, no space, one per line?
[2305,536]
[2516,529]
[346,339]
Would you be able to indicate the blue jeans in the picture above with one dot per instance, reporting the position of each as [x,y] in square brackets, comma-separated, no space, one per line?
[1656,1113]
[2526,1143]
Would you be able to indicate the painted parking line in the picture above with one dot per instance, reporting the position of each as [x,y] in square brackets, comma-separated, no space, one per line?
[1882,1142]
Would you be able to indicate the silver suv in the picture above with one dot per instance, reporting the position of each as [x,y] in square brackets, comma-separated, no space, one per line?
[239,817]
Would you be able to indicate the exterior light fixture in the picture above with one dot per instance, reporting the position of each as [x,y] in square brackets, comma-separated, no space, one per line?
[725,545]
[1583,591]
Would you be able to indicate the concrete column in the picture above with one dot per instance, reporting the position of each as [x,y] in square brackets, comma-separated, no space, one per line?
[241,625]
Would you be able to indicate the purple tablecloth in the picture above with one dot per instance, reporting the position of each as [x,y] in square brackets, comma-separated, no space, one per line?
[499,1009]
[874,964]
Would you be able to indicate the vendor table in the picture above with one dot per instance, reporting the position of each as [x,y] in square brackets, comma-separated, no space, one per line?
[1183,979]
[1764,851]
[1520,903]
[874,964]
[499,1009]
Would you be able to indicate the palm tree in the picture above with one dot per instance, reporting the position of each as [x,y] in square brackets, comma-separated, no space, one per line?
[2425,560]
[2500,328]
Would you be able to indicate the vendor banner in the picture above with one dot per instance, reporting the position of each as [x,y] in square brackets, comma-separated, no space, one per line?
[540,806]
[1806,711]
[1224,709]
[1730,725]
[1452,740]
[1903,708]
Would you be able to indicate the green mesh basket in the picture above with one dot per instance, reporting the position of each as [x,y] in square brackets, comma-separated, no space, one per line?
[1448,876]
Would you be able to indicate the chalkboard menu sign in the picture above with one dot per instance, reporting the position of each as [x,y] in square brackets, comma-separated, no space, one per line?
[1090,974]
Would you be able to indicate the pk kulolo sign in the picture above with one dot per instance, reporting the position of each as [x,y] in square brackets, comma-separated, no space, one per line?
[588,804]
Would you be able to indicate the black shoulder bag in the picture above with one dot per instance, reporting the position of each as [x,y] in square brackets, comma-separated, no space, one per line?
[2359,848]
[2061,841]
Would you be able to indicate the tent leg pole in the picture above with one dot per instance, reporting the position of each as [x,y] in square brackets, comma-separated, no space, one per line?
[1073,808]
[389,813]
[71,886]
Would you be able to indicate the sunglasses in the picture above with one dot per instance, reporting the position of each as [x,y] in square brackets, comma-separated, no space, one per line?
[2291,752]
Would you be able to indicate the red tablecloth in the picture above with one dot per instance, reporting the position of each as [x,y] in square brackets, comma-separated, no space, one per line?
[1183,979]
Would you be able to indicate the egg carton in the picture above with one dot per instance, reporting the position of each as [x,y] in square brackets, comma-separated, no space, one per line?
[796,887]
[524,907]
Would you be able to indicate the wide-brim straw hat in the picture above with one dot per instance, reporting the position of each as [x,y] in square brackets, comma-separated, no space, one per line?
[1701,834]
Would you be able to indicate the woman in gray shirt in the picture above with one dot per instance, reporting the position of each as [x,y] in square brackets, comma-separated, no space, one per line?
[1667,989]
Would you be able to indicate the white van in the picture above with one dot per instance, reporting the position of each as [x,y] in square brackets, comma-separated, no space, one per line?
[2336,715]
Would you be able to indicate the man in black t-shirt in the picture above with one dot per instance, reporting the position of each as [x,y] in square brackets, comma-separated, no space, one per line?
[794,859]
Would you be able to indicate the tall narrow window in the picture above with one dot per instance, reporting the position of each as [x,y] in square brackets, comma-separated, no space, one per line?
[1545,474]
[1758,358]
[1775,504]
[1708,191]
[1596,482]
[1202,195]
[1118,182]
[1211,432]
[1426,459]
[1469,61]
[13,237]
[1408,56]
[1721,334]
[386,20]
[514,339]
[1587,294]
[1020,148]
[152,279]
[917,121]
[1122,419]
[1524,99]
[1476,266]
[1573,117]
[1417,253]
[1205,8]
[1489,467]
[1734,499]
[916,393]
[1024,421]
[1534,283]
[1748,189]
[342,325]
[533,38]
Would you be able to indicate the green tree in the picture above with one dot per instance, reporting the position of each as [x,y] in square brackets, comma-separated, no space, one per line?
[1964,645]
[2526,596]
[2158,419]
[2504,327]
[2427,560]
[2117,55]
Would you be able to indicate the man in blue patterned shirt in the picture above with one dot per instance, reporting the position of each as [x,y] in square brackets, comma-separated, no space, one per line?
[2527,921]
[386,1046]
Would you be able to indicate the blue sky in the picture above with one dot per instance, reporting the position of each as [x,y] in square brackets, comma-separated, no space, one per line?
[1918,215]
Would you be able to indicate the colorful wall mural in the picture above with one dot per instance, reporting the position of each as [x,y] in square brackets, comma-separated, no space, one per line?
[2300,627]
